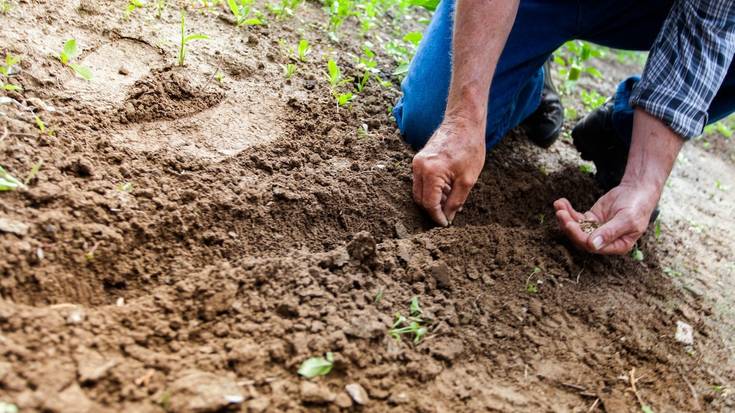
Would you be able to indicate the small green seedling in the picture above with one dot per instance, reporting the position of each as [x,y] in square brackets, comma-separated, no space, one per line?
[412,325]
[334,74]
[369,66]
[4,6]
[160,7]
[131,7]
[8,182]
[378,296]
[344,98]
[586,168]
[34,171]
[637,254]
[42,127]
[532,287]
[124,187]
[289,70]
[317,366]
[6,69]
[186,39]
[242,13]
[303,49]
[68,53]
[284,8]
[657,229]
[219,76]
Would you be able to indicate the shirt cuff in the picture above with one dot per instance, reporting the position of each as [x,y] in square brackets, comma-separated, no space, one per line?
[671,107]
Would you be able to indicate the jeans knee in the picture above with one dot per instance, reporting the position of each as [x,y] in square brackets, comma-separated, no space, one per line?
[415,121]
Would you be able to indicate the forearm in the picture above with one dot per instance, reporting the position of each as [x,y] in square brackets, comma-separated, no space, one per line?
[653,151]
[481,28]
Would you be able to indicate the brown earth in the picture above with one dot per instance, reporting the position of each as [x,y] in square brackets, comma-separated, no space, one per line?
[188,243]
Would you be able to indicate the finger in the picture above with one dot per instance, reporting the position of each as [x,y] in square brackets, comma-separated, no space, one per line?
[571,228]
[564,204]
[431,200]
[615,236]
[417,183]
[460,191]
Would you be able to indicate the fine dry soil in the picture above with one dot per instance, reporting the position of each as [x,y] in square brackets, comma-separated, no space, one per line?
[188,243]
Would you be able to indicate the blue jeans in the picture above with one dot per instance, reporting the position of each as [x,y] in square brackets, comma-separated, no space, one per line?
[541,26]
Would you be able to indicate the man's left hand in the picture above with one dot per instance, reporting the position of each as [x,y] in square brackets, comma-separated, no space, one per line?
[623,215]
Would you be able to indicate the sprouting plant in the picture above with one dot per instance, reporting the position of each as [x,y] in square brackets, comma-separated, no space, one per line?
[4,6]
[344,98]
[571,57]
[592,100]
[124,187]
[242,12]
[6,68]
[672,272]
[339,11]
[636,254]
[303,49]
[219,76]
[369,66]
[284,8]
[532,287]
[131,7]
[34,172]
[68,53]
[289,70]
[42,127]
[410,325]
[334,74]
[378,296]
[586,168]
[317,366]
[413,325]
[415,308]
[657,229]
[8,182]
[160,7]
[186,39]
[541,219]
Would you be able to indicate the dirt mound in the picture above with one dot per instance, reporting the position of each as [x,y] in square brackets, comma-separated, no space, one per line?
[170,93]
[152,278]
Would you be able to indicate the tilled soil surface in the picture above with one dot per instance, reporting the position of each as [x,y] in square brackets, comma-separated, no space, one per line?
[188,243]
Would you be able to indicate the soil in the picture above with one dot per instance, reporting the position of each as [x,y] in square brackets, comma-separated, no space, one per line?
[188,243]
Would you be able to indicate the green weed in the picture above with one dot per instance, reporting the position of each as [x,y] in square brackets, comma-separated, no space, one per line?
[284,8]
[572,58]
[68,53]
[592,100]
[657,229]
[7,69]
[586,168]
[289,70]
[344,98]
[219,76]
[317,366]
[42,127]
[532,287]
[186,39]
[303,49]
[8,182]
[131,7]
[412,325]
[637,254]
[243,12]
[34,172]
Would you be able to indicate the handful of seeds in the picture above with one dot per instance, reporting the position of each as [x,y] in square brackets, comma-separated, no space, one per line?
[588,226]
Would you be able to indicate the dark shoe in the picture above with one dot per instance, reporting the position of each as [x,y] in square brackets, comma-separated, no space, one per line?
[596,140]
[544,125]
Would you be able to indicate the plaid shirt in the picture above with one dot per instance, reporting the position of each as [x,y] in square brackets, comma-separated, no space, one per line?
[687,64]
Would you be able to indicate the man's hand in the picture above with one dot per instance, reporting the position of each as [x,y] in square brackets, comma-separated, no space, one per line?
[446,169]
[623,214]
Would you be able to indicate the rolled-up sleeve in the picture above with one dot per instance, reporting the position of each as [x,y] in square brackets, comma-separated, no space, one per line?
[687,64]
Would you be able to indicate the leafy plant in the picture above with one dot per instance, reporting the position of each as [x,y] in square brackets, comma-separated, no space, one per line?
[6,69]
[42,127]
[572,58]
[317,366]
[303,49]
[131,7]
[586,168]
[34,171]
[344,98]
[637,254]
[592,100]
[284,7]
[412,325]
[289,70]
[532,287]
[369,66]
[68,53]
[334,74]
[8,182]
[242,12]
[186,39]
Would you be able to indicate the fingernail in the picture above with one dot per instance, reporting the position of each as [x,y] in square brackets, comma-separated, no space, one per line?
[597,242]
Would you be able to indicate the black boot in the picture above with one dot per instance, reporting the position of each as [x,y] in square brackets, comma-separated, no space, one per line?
[596,140]
[544,125]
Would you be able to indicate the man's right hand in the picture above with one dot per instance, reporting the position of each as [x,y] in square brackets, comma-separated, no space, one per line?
[446,169]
